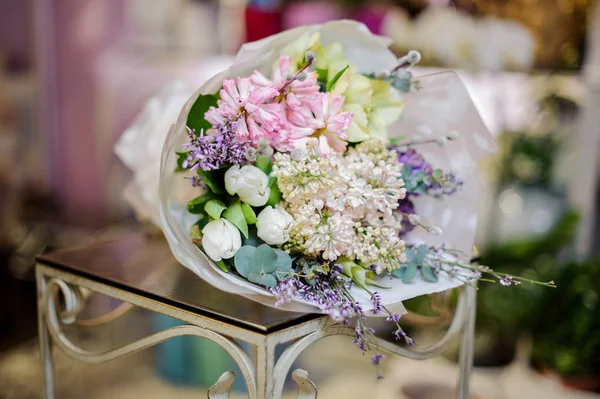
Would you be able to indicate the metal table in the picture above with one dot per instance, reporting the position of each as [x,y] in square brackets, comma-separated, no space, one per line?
[140,271]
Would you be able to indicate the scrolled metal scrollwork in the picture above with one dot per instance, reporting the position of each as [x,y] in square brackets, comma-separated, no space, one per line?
[73,304]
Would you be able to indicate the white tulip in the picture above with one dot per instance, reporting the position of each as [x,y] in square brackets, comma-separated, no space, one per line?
[249,183]
[274,225]
[221,239]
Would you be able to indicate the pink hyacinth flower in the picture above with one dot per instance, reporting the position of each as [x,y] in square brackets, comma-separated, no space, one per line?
[324,119]
[296,93]
[241,98]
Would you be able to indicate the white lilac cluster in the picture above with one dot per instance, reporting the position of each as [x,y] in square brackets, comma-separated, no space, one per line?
[343,205]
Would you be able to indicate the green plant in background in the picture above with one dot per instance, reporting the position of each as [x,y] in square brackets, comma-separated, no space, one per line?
[566,337]
[512,309]
[529,160]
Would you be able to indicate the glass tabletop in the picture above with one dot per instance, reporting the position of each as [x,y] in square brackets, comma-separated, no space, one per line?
[144,265]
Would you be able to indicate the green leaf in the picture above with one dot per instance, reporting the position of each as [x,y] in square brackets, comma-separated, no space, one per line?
[181,157]
[359,275]
[437,174]
[235,215]
[429,274]
[195,119]
[375,283]
[275,196]
[249,214]
[322,75]
[264,163]
[215,208]
[214,179]
[196,206]
[396,140]
[196,235]
[242,260]
[202,221]
[284,261]
[337,77]
[264,260]
[222,266]
[272,180]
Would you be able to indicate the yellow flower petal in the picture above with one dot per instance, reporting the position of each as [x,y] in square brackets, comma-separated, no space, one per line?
[359,128]
[387,107]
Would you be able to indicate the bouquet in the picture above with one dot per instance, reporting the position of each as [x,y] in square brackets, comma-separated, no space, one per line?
[318,174]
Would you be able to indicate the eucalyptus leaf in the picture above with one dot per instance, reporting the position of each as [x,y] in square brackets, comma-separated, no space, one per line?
[235,215]
[195,119]
[263,279]
[410,273]
[421,253]
[214,208]
[429,274]
[242,260]
[264,260]
[284,261]
[253,239]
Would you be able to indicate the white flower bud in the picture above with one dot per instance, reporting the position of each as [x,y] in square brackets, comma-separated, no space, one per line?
[453,135]
[251,154]
[274,225]
[298,154]
[249,183]
[221,239]
[288,78]
[309,56]
[266,151]
[383,74]
[414,219]
[441,141]
[302,76]
[435,230]
[413,56]
[263,142]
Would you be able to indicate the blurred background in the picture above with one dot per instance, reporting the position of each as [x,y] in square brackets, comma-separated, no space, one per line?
[74,74]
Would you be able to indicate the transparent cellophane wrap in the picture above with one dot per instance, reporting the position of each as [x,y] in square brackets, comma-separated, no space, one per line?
[441,105]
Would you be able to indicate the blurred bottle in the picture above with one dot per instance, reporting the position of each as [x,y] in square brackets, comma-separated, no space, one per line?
[263,19]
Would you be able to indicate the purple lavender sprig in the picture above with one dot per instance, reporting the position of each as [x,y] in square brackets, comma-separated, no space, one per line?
[214,148]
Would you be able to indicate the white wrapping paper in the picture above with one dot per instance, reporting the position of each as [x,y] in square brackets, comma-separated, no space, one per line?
[441,106]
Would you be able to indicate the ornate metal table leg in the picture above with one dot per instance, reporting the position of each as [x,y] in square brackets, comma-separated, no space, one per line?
[467,344]
[222,388]
[306,388]
[46,359]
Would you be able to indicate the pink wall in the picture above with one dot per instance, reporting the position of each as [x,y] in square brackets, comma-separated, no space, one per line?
[71,36]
